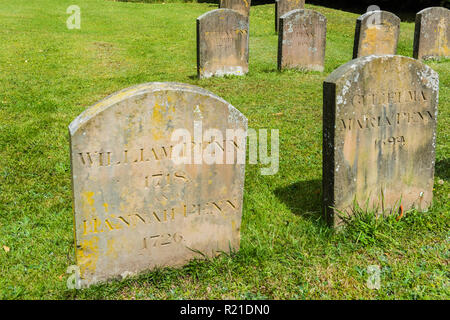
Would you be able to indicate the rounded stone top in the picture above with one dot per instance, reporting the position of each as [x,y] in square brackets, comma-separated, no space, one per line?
[386,15]
[433,9]
[355,66]
[220,11]
[304,12]
[144,89]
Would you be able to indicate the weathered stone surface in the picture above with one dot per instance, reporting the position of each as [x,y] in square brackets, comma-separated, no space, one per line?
[379,135]
[302,40]
[241,6]
[134,207]
[222,43]
[432,33]
[284,6]
[376,33]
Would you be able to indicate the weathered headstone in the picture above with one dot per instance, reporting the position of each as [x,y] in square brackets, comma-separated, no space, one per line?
[432,33]
[135,207]
[379,135]
[376,33]
[222,43]
[241,6]
[284,6]
[302,40]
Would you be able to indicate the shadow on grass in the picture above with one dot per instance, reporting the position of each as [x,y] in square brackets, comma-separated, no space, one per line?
[254,2]
[303,198]
[270,70]
[442,169]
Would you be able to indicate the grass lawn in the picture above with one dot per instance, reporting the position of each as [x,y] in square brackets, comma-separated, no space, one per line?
[50,74]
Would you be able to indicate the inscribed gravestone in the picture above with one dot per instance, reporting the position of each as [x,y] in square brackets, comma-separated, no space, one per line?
[376,33]
[302,40]
[134,207]
[284,6]
[379,135]
[432,33]
[241,6]
[222,43]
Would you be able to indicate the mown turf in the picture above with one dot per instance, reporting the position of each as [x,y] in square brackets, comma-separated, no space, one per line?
[49,75]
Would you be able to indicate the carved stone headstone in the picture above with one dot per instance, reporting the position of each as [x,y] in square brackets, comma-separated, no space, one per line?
[302,40]
[376,33]
[284,6]
[379,135]
[222,43]
[144,196]
[432,33]
[241,6]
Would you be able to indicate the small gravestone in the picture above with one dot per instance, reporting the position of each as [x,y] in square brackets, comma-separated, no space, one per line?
[376,33]
[379,136]
[222,43]
[302,40]
[144,197]
[284,6]
[241,6]
[432,33]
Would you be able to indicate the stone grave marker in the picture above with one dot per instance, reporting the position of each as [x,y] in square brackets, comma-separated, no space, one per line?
[376,33]
[432,33]
[302,40]
[143,199]
[284,6]
[241,6]
[379,136]
[222,43]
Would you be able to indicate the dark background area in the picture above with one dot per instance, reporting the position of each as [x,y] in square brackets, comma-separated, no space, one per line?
[405,9]
[394,6]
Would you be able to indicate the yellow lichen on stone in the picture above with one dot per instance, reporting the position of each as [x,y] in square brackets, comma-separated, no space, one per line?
[87,204]
[87,255]
[441,39]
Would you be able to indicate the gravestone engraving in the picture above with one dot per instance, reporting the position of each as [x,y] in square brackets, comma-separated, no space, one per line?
[376,33]
[284,6]
[222,43]
[379,136]
[432,33]
[302,40]
[241,6]
[143,199]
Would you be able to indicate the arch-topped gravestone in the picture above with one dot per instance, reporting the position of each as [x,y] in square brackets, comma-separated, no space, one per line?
[432,33]
[302,40]
[241,6]
[284,6]
[222,43]
[135,207]
[379,135]
[376,33]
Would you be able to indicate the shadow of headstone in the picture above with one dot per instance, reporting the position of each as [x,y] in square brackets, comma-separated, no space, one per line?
[303,198]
